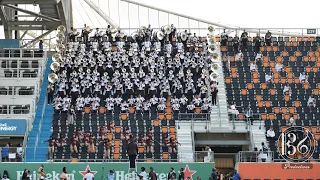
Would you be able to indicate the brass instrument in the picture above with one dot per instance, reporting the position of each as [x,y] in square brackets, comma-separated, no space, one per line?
[132,69]
[166,29]
[60,36]
[215,56]
[214,75]
[134,35]
[101,33]
[60,48]
[204,71]
[53,78]
[183,35]
[75,32]
[212,48]
[56,57]
[105,74]
[55,66]
[171,72]
[143,29]
[211,41]
[124,70]
[61,28]
[88,29]
[88,71]
[152,70]
[188,71]
[193,60]
[169,60]
[215,66]
[211,29]
[122,34]
[158,35]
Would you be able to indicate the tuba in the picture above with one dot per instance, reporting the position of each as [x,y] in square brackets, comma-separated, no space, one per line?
[211,29]
[75,32]
[56,57]
[215,66]
[52,78]
[183,35]
[143,29]
[88,29]
[158,35]
[101,33]
[166,29]
[215,56]
[55,66]
[214,75]
[134,35]
[61,28]
[212,48]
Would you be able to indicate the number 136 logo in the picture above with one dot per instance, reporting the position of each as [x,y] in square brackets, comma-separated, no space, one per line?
[296,144]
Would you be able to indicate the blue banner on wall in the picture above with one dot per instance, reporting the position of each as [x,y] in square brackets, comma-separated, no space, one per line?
[13,127]
[9,43]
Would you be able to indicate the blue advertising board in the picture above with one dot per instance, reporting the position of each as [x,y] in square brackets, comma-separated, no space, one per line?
[9,43]
[13,127]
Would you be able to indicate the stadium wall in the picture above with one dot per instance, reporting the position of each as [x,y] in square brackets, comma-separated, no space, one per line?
[76,171]
[9,43]
[255,171]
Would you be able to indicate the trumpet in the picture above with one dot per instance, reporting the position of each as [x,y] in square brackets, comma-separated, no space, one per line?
[188,71]
[132,69]
[105,74]
[169,60]
[88,71]
[124,70]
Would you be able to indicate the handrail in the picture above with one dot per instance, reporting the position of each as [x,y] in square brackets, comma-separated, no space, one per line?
[251,137]
[255,156]
[25,140]
[40,125]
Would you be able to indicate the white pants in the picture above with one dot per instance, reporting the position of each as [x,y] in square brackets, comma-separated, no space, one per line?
[233,111]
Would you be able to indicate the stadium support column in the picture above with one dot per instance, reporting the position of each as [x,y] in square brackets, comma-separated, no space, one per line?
[102,14]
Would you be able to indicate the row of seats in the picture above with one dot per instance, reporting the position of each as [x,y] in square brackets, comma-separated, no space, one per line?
[273,106]
[24,64]
[16,90]
[14,109]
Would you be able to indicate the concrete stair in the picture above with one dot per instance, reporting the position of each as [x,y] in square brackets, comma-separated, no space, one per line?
[184,136]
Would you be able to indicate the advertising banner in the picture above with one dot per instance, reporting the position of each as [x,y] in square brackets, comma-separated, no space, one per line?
[12,127]
[76,171]
[279,170]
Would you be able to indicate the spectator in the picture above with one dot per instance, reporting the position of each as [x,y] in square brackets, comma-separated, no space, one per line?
[263,152]
[232,109]
[88,176]
[268,78]
[63,175]
[291,122]
[244,38]
[143,174]
[208,149]
[236,175]
[224,38]
[5,153]
[5,177]
[181,174]
[19,152]
[257,43]
[270,134]
[172,174]
[253,67]
[268,38]
[279,67]
[239,56]
[311,101]
[303,78]
[258,57]
[26,174]
[5,173]
[287,90]
[249,114]
[41,46]
[152,174]
[214,174]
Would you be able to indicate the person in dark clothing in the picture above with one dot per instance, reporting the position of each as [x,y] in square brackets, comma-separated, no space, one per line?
[214,174]
[132,153]
[41,46]
[244,39]
[152,174]
[181,174]
[268,38]
[214,93]
[172,174]
[257,43]
[25,175]
[50,91]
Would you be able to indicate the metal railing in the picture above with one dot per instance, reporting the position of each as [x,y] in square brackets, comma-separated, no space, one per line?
[14,109]
[40,125]
[16,90]
[194,118]
[255,156]
[64,156]
[21,53]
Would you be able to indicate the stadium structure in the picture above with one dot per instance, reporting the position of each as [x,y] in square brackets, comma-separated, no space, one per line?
[124,79]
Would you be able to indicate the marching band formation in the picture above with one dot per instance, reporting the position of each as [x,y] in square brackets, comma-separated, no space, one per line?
[113,70]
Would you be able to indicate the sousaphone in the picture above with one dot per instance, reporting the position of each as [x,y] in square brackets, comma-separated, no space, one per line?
[215,67]
[61,28]
[215,56]
[166,29]
[56,57]
[183,35]
[55,66]
[134,35]
[214,75]
[211,29]
[212,48]
[158,35]
[53,78]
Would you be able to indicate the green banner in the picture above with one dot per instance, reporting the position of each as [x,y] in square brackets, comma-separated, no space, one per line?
[76,171]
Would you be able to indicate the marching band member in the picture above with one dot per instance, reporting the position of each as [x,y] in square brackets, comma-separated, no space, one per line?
[161,107]
[191,107]
[232,109]
[147,45]
[244,38]
[205,107]
[268,38]
[172,33]
[96,35]
[124,107]
[176,107]
[180,46]
[85,34]
[196,101]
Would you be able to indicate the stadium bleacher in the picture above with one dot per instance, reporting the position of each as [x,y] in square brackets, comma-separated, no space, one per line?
[275,108]
[183,68]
